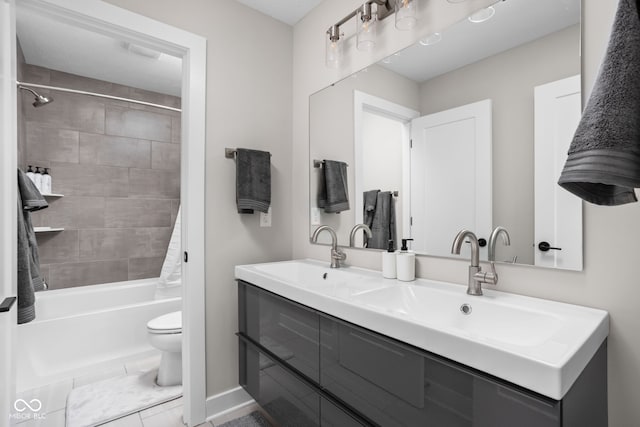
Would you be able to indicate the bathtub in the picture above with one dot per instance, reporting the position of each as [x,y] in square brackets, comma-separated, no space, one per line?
[79,330]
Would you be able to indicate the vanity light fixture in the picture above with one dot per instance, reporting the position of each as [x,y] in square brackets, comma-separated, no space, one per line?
[482,15]
[406,14]
[334,47]
[365,28]
[366,23]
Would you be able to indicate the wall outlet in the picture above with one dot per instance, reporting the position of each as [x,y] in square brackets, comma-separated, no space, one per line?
[265,218]
[315,216]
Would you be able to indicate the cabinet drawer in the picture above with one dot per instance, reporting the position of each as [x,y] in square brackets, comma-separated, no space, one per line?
[285,328]
[287,399]
[333,416]
[391,383]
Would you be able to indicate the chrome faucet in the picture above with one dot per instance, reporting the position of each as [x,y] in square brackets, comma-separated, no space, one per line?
[506,240]
[476,276]
[336,254]
[354,230]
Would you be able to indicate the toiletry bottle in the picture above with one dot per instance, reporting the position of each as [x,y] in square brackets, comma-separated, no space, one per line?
[389,262]
[31,175]
[37,179]
[406,263]
[46,182]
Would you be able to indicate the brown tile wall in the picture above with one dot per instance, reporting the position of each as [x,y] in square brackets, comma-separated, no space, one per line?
[118,166]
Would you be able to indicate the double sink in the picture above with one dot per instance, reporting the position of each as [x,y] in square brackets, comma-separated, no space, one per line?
[538,344]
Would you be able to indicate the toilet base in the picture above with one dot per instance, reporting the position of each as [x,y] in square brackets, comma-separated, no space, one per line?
[170,371]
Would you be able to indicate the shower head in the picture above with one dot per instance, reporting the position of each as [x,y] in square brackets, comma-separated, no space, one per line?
[39,99]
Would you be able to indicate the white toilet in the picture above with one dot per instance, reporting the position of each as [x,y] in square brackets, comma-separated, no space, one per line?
[165,334]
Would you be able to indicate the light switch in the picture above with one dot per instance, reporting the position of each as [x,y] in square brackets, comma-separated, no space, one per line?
[265,218]
[315,216]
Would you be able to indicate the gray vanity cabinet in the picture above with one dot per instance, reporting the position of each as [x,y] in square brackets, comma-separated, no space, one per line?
[307,368]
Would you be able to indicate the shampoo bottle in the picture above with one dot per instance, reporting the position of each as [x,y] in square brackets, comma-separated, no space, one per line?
[31,175]
[389,262]
[46,182]
[406,263]
[37,179]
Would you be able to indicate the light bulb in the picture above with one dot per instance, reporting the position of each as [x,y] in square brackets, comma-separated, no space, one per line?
[365,29]
[406,14]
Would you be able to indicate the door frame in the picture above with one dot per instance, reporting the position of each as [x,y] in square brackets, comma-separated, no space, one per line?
[365,102]
[128,26]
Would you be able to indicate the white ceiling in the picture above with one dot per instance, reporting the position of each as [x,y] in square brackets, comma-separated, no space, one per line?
[287,11]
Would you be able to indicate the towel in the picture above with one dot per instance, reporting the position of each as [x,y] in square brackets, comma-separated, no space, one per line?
[29,278]
[253,180]
[333,193]
[603,165]
[369,199]
[383,227]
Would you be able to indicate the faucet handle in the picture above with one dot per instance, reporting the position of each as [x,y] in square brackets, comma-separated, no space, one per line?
[490,277]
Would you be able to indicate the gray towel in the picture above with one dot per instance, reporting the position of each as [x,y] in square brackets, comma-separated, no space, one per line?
[383,227]
[253,180]
[603,165]
[333,193]
[29,279]
[369,199]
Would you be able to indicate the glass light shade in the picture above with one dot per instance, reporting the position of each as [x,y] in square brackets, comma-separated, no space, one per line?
[366,27]
[406,14]
[333,55]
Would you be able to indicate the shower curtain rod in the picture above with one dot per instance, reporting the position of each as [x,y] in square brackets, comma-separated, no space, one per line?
[99,95]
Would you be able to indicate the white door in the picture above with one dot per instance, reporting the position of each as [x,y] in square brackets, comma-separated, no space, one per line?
[8,209]
[451,177]
[558,213]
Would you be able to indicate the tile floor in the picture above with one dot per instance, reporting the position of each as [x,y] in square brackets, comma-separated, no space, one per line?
[169,414]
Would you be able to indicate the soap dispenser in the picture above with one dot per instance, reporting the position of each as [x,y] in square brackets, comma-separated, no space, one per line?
[406,263]
[37,178]
[31,175]
[389,262]
[46,182]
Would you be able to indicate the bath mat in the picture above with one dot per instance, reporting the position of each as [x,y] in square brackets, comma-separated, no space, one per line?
[103,401]
[254,419]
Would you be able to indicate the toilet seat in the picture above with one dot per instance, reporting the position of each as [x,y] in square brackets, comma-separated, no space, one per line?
[170,323]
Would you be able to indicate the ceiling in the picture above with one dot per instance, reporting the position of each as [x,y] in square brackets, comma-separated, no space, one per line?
[287,11]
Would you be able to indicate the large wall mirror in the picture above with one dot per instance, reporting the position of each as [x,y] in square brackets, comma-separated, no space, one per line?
[466,129]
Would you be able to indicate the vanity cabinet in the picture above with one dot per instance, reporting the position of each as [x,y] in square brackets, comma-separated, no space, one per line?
[308,368]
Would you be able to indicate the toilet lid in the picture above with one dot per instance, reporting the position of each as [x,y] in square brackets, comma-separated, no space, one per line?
[167,323]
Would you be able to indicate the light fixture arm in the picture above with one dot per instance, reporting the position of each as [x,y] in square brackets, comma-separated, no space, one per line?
[385,8]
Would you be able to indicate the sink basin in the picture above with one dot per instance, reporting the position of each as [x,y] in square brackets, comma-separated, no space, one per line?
[318,277]
[457,313]
[538,344]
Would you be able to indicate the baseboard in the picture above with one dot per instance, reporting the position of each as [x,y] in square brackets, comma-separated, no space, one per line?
[227,401]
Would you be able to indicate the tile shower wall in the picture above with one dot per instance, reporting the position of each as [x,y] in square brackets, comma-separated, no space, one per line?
[117,165]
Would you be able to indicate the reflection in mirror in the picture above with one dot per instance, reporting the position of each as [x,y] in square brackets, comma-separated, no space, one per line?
[470,128]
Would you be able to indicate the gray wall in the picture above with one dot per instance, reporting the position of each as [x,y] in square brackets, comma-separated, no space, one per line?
[609,280]
[508,79]
[248,105]
[117,165]
[20,108]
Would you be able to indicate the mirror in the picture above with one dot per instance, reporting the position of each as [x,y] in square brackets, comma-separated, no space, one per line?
[471,128]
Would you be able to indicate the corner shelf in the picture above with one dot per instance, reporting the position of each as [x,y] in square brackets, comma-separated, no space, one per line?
[52,195]
[47,229]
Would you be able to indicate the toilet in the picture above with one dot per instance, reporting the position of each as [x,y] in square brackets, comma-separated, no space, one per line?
[165,334]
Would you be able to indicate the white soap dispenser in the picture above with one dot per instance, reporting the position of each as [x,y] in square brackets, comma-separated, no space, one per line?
[406,263]
[37,179]
[46,182]
[389,262]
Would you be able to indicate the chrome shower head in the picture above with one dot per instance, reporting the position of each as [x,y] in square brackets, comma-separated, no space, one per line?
[39,99]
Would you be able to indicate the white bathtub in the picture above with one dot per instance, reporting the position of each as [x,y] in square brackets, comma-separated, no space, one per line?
[77,329]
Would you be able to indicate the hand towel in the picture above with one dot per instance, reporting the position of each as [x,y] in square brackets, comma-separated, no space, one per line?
[603,165]
[383,228]
[29,278]
[253,180]
[333,193]
[369,199]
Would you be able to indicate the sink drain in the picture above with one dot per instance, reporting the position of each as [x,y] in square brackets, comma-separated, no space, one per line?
[465,309]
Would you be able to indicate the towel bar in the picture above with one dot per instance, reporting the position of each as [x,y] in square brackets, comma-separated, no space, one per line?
[230,153]
[318,163]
